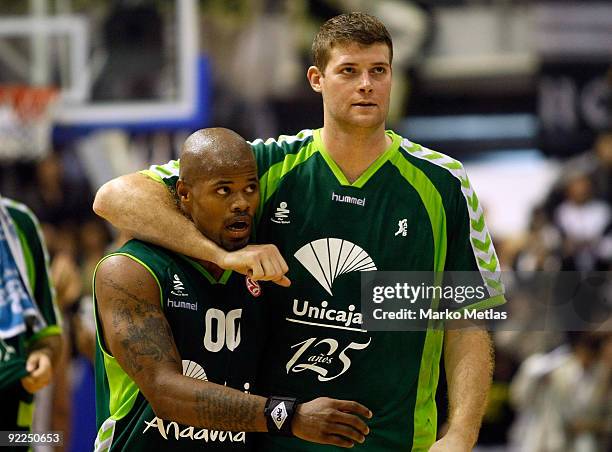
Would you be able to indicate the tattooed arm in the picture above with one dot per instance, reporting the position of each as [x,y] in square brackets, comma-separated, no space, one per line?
[139,337]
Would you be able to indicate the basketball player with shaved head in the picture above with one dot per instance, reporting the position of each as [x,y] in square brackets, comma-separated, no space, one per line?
[345,198]
[178,338]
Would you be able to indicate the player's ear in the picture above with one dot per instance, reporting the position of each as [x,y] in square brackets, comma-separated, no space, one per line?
[183,191]
[314,78]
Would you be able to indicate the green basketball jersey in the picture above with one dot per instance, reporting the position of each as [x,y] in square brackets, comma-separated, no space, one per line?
[214,326]
[412,210]
[18,406]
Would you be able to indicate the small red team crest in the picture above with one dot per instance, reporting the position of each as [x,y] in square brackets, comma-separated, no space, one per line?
[253,287]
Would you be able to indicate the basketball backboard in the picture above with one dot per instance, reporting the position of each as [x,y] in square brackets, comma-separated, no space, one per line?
[129,64]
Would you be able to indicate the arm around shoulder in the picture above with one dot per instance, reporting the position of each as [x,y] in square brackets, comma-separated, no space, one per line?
[145,209]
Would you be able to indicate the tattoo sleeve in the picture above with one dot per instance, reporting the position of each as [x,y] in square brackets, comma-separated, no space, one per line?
[227,410]
[146,334]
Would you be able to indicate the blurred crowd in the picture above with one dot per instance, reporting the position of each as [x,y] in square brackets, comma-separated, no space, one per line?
[552,386]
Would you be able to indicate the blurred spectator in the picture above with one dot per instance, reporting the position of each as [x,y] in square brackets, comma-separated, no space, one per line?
[563,397]
[260,35]
[65,275]
[94,239]
[596,164]
[94,242]
[582,219]
[541,248]
[58,197]
[602,173]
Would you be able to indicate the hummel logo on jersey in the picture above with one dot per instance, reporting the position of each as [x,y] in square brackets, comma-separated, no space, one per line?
[182,305]
[178,287]
[403,228]
[326,259]
[279,414]
[349,199]
[282,214]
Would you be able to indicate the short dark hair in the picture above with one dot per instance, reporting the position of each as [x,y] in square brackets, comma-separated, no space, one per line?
[360,28]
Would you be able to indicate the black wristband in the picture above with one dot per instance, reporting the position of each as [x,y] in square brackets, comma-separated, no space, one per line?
[279,413]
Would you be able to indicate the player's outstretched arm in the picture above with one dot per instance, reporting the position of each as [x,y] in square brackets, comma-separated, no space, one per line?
[468,359]
[145,209]
[137,334]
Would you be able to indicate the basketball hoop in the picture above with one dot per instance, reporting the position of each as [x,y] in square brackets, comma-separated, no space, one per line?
[26,116]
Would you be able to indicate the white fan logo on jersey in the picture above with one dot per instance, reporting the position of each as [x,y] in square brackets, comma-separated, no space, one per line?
[326,259]
[194,370]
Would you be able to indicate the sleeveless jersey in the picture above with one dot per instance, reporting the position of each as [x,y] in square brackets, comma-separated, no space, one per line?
[214,326]
[412,210]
